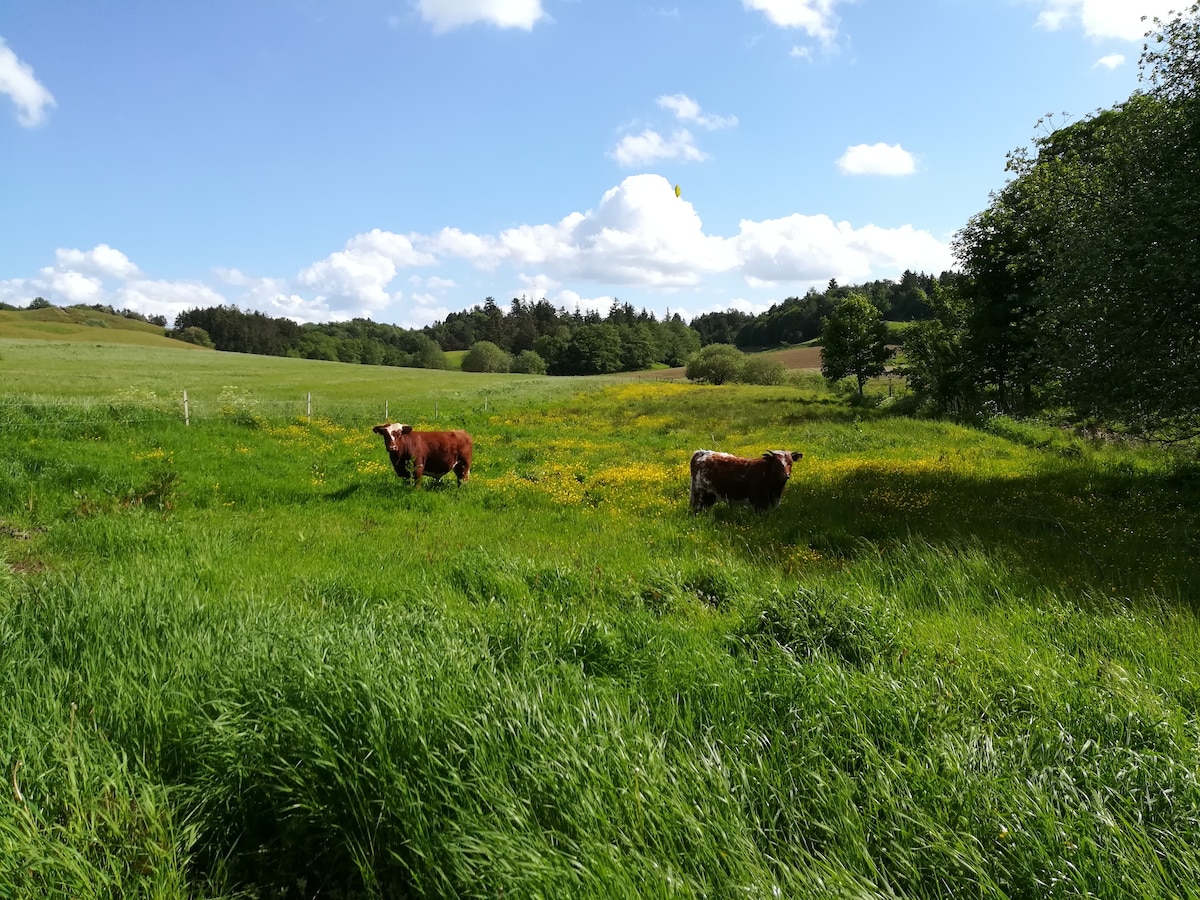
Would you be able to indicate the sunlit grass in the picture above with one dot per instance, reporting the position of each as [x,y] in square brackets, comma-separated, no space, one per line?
[242,658]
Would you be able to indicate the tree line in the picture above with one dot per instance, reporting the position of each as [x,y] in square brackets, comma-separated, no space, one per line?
[537,337]
[797,320]
[532,337]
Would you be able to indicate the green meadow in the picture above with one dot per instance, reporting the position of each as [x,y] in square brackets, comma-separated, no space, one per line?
[239,658]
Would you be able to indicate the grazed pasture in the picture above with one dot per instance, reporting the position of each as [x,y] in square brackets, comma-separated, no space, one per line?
[242,659]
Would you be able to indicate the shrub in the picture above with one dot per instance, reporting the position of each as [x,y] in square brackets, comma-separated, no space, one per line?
[193,334]
[484,356]
[716,364]
[763,370]
[529,363]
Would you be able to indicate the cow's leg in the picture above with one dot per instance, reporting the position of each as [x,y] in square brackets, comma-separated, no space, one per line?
[418,471]
[462,470]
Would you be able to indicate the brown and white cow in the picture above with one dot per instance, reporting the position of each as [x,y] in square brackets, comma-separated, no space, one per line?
[434,453]
[735,479]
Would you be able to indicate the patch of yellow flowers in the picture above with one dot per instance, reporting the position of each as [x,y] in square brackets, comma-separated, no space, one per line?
[635,486]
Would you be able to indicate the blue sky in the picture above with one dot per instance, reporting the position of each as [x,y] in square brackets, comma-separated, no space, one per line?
[402,159]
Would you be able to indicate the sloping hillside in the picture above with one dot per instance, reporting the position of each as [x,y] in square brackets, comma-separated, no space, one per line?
[57,323]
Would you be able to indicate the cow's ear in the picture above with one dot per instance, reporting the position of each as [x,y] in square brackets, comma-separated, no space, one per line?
[770,454]
[796,454]
[405,429]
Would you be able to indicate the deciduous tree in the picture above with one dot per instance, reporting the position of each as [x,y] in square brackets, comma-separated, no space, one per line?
[854,341]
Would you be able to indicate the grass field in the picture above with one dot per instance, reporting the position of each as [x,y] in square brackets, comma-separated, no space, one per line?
[240,658]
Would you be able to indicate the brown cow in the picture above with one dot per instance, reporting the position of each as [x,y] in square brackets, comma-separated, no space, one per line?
[734,479]
[435,453]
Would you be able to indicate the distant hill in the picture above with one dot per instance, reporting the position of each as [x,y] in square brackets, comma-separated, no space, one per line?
[61,323]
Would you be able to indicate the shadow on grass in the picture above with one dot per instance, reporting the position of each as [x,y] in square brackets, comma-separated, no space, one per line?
[1116,534]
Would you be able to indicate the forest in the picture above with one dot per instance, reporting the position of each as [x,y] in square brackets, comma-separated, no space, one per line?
[537,337]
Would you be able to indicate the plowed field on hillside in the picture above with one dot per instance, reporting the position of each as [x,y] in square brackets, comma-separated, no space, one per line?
[793,358]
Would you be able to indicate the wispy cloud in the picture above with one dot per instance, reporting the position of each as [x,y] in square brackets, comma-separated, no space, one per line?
[814,17]
[650,147]
[446,15]
[688,110]
[1112,61]
[17,81]
[1105,18]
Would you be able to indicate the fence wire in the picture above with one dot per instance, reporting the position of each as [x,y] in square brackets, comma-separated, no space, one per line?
[66,414]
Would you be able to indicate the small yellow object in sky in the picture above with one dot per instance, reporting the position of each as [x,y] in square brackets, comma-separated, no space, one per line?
[677,191]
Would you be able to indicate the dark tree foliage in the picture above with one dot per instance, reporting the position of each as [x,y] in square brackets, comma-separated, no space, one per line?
[571,343]
[793,321]
[798,319]
[1081,285]
[594,349]
[720,327]
[935,353]
[239,332]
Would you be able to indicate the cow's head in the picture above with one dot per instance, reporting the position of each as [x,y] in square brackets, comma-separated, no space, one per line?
[392,433]
[785,458]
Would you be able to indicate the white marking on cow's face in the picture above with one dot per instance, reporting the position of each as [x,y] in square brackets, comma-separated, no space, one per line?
[391,435]
[783,458]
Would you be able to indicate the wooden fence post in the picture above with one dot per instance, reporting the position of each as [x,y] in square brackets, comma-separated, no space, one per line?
[187,421]
[308,407]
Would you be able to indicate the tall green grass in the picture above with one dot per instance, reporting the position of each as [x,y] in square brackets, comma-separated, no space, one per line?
[242,659]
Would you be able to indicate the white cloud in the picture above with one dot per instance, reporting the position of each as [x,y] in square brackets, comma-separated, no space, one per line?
[274,297]
[1112,61]
[102,261]
[16,80]
[741,304]
[433,282]
[688,110]
[167,298]
[815,17]
[813,249]
[354,281]
[537,287]
[640,236]
[78,276]
[1105,18]
[64,288]
[483,252]
[422,310]
[445,15]
[650,146]
[572,300]
[876,159]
